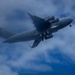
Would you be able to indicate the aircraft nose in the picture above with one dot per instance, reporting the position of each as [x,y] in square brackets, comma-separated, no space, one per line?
[70,19]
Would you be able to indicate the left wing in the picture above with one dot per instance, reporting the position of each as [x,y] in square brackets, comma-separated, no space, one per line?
[36,42]
[39,39]
[22,37]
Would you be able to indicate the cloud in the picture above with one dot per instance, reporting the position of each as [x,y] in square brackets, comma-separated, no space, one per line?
[5,70]
[20,55]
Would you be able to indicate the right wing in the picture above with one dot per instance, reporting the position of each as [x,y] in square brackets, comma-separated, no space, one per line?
[39,23]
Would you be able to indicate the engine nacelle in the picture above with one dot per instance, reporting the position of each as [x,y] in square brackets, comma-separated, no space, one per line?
[50,18]
[54,21]
[48,36]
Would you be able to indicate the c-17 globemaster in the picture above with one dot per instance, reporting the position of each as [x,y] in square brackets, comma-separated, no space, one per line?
[45,27]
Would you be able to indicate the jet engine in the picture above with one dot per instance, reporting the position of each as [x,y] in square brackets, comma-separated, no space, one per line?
[54,21]
[49,18]
[46,35]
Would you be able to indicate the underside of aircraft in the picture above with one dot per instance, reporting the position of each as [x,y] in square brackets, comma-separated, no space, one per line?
[45,27]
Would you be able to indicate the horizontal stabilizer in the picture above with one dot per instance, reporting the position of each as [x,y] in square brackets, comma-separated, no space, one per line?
[5,34]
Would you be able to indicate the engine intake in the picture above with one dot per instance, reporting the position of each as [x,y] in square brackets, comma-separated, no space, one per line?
[50,18]
[48,36]
[54,21]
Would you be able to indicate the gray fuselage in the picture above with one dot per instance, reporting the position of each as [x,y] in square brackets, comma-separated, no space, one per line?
[34,34]
[57,26]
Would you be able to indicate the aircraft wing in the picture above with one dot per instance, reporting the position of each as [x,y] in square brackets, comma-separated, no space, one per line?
[5,34]
[36,42]
[25,36]
[38,22]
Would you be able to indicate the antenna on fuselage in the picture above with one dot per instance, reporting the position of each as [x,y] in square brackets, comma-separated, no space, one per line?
[70,25]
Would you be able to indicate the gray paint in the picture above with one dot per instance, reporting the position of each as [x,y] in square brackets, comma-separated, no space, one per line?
[44,29]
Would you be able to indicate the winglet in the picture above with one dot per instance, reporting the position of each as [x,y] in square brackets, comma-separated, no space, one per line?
[30,15]
[31,47]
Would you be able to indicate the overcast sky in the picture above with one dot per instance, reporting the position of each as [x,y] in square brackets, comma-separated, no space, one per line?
[52,56]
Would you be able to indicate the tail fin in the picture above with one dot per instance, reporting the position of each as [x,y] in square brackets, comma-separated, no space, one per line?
[5,34]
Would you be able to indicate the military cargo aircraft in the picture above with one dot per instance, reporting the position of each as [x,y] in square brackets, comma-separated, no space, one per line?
[45,27]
